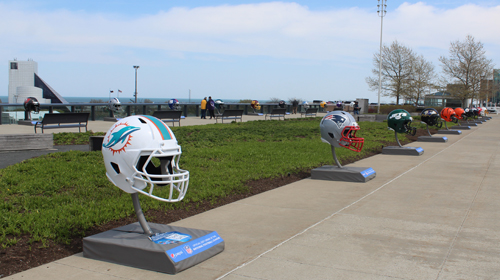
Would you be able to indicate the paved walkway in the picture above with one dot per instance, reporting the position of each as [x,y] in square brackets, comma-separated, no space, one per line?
[102,126]
[434,216]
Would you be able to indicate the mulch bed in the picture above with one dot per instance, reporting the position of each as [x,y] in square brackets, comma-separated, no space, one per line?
[25,255]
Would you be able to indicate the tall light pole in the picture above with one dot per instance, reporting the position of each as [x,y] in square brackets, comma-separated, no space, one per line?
[135,94]
[381,13]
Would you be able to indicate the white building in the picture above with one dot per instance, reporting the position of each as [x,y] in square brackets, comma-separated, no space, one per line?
[24,82]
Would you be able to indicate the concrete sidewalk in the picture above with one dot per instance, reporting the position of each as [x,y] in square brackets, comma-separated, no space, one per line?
[434,216]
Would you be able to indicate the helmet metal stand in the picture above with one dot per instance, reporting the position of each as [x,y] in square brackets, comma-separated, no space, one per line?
[140,215]
[397,140]
[335,157]
[428,131]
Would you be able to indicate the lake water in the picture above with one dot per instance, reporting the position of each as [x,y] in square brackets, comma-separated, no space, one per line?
[5,99]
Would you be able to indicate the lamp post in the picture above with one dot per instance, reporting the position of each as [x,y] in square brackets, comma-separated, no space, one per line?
[381,13]
[135,94]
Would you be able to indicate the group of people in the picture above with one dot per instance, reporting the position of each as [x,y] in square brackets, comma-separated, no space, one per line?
[207,105]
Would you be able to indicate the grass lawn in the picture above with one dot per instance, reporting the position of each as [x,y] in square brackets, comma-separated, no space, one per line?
[61,195]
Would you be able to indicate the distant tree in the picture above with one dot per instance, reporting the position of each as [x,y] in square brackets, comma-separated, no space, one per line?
[465,67]
[147,101]
[274,100]
[421,79]
[245,101]
[97,101]
[290,100]
[397,67]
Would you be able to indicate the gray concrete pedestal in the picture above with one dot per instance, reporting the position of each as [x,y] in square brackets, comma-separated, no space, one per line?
[446,131]
[442,139]
[403,151]
[346,174]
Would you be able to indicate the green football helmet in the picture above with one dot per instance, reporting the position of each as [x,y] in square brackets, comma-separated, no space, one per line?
[400,120]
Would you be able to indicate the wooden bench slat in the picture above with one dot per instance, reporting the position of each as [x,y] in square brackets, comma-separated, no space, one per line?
[310,112]
[169,116]
[276,113]
[230,114]
[54,120]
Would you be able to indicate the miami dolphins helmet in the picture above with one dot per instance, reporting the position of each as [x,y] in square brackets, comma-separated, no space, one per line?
[219,104]
[400,120]
[449,115]
[338,128]
[174,104]
[141,155]
[431,117]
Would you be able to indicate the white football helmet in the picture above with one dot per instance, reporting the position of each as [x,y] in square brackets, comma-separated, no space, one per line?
[141,153]
[115,105]
[338,128]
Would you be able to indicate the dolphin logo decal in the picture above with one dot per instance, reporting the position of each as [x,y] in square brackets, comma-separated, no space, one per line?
[120,136]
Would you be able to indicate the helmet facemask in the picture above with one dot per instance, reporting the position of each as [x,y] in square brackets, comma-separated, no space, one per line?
[160,169]
[349,139]
[409,129]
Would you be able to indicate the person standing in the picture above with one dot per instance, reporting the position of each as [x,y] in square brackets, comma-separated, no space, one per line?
[211,107]
[204,108]
[295,104]
[356,108]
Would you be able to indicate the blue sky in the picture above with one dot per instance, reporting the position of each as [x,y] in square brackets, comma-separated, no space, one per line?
[229,49]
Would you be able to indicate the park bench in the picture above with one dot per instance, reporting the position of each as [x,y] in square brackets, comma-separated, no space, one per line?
[276,113]
[169,116]
[311,112]
[230,114]
[63,120]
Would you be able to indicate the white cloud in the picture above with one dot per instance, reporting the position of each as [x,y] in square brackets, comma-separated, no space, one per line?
[275,29]
[334,39]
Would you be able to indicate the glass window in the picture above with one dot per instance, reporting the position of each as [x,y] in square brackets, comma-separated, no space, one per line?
[13,65]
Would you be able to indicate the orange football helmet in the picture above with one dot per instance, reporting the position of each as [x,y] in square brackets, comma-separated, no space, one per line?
[449,115]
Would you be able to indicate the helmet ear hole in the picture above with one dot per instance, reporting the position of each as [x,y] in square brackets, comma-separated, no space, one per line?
[331,135]
[115,167]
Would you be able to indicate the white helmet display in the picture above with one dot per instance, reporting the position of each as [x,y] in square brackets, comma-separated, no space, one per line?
[338,128]
[114,104]
[141,153]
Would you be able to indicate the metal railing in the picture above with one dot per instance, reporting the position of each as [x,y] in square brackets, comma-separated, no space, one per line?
[98,111]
